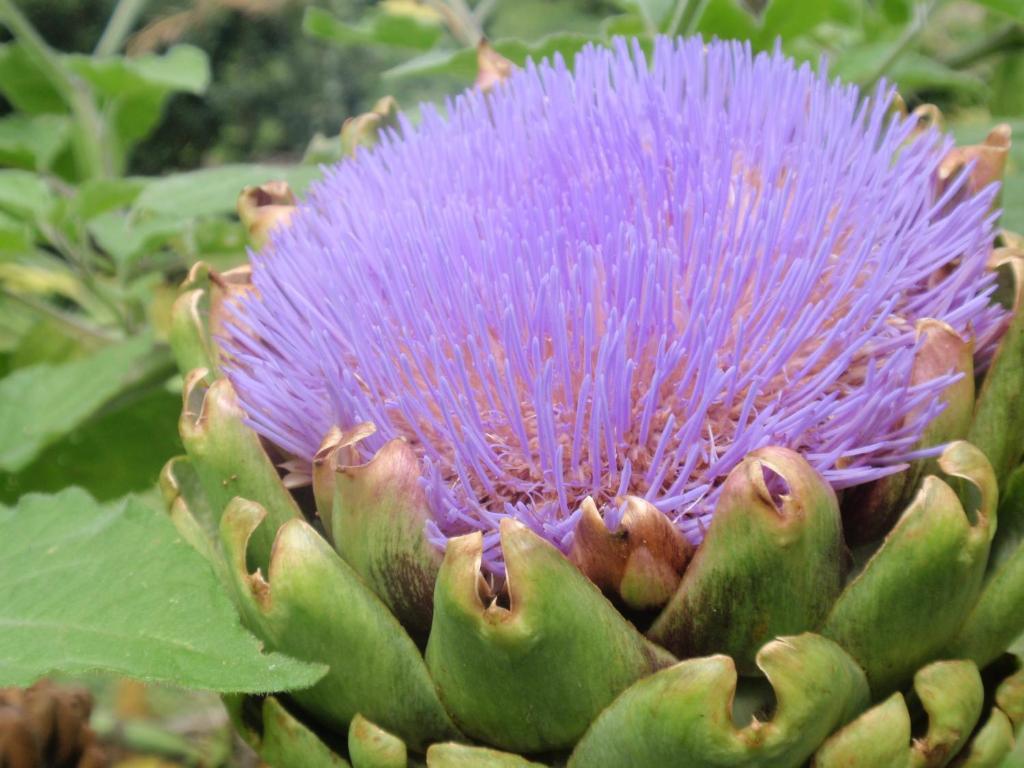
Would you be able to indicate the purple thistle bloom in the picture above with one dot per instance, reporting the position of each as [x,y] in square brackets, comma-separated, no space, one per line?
[619,278]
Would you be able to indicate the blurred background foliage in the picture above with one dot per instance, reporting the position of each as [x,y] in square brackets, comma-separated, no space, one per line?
[128,127]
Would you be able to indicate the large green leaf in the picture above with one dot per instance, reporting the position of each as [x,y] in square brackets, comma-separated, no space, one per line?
[1012,8]
[213,191]
[15,235]
[24,194]
[134,90]
[183,68]
[86,587]
[33,141]
[97,196]
[41,403]
[24,85]
[113,454]
[128,238]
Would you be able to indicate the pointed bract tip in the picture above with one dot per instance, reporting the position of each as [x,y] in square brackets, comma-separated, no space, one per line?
[265,207]
[491,67]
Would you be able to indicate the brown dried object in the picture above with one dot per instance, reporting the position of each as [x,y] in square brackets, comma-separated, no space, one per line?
[47,726]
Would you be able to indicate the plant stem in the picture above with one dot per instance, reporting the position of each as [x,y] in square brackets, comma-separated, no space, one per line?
[77,325]
[483,10]
[684,17]
[93,159]
[922,10]
[460,20]
[118,26]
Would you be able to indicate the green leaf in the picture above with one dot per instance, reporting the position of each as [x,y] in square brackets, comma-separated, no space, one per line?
[135,89]
[1008,86]
[97,196]
[184,68]
[16,320]
[51,341]
[15,235]
[916,72]
[656,12]
[127,238]
[623,24]
[789,19]
[41,403]
[113,454]
[213,191]
[1012,8]
[86,587]
[24,194]
[24,85]
[728,20]
[33,141]
[393,30]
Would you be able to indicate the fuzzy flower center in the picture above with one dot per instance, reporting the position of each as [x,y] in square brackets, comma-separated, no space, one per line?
[619,279]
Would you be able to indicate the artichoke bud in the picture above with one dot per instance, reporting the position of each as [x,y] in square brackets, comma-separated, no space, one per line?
[313,606]
[378,515]
[869,511]
[529,676]
[229,458]
[951,694]
[280,738]
[927,572]
[491,67]
[263,208]
[996,619]
[684,715]
[998,424]
[991,743]
[771,562]
[189,335]
[190,511]
[364,130]
[370,746]
[199,313]
[1010,697]
[641,561]
[336,449]
[453,755]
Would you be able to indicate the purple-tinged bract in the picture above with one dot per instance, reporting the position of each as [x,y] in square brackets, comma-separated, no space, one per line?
[619,278]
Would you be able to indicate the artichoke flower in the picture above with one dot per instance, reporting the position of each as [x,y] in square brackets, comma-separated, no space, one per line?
[661,410]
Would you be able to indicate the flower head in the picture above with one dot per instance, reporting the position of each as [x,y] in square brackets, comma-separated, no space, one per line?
[618,279]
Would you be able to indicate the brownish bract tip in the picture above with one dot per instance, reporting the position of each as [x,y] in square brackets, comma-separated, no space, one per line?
[363,130]
[642,561]
[986,161]
[491,67]
[264,207]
